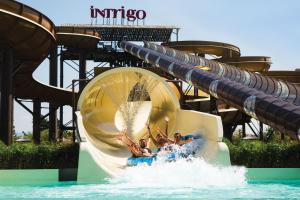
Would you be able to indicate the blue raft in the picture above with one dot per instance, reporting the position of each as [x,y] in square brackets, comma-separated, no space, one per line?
[185,151]
[133,161]
[140,160]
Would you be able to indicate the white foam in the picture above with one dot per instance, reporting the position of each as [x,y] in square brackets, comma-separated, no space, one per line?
[191,173]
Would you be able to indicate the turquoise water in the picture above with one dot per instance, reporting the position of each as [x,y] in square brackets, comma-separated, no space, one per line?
[183,179]
[279,189]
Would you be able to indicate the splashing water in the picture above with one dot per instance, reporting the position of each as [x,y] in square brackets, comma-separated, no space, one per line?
[132,91]
[193,179]
[185,171]
[195,173]
[182,173]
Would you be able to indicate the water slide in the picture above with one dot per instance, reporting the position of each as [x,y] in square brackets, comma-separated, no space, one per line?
[100,154]
[106,106]
[280,111]
[36,37]
[98,125]
[223,52]
[31,36]
[283,90]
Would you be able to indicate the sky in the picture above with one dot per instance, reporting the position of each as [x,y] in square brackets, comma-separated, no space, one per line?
[258,28]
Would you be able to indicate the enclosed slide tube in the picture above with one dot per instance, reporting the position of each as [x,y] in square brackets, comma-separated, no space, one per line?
[106,104]
[277,113]
[280,89]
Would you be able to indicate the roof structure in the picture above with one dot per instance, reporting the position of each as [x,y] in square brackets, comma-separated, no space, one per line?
[130,32]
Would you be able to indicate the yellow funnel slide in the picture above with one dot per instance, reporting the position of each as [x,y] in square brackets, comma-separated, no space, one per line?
[129,98]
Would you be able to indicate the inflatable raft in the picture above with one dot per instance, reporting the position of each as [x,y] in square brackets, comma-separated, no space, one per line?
[189,149]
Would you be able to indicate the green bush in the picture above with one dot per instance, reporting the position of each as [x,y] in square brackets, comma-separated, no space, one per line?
[44,136]
[43,156]
[258,154]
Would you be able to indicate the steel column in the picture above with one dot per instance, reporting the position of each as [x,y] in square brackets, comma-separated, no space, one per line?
[53,82]
[61,84]
[244,129]
[213,106]
[82,70]
[6,101]
[261,131]
[244,125]
[36,132]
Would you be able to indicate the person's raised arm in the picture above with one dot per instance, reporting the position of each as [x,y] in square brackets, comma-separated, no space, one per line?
[162,133]
[167,124]
[129,139]
[132,146]
[165,136]
[148,142]
[136,151]
[125,138]
[150,134]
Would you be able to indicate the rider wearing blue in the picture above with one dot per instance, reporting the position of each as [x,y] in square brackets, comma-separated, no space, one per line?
[187,137]
[181,140]
[191,144]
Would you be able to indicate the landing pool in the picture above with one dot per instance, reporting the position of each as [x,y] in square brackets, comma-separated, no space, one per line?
[253,189]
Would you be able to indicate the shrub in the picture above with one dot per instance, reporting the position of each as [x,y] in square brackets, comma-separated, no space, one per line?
[257,154]
[43,156]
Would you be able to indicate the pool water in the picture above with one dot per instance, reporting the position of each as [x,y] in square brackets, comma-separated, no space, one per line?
[183,179]
[278,189]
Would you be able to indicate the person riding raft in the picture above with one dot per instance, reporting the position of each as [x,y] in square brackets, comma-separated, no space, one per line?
[161,138]
[138,150]
[142,149]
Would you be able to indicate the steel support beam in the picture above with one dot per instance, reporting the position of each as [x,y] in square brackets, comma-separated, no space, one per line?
[213,106]
[82,70]
[282,136]
[61,84]
[227,131]
[261,131]
[53,82]
[252,129]
[244,125]
[196,94]
[6,97]
[23,106]
[36,132]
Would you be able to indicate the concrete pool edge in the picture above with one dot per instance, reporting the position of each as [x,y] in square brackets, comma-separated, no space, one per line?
[48,176]
[36,176]
[269,174]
